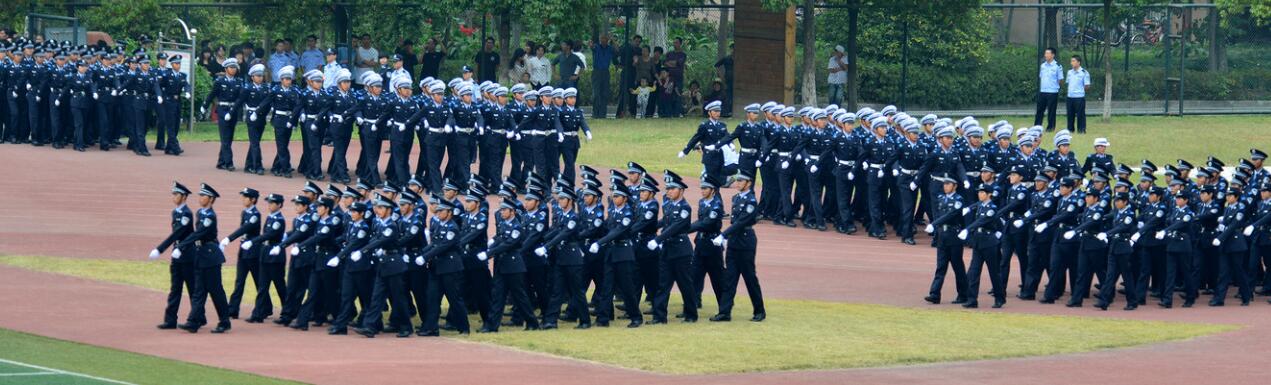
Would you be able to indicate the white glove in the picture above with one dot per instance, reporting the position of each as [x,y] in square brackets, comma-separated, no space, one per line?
[681,154]
[813,169]
[302,118]
[913,186]
[28,87]
[997,234]
[313,127]
[375,126]
[288,124]
[400,126]
[1217,242]
[560,138]
[785,164]
[154,253]
[1069,234]
[116,93]
[246,245]
[448,129]
[159,99]
[338,118]
[518,137]
[224,242]
[489,242]
[966,210]
[1102,236]
[1160,234]
[226,115]
[252,117]
[930,229]
[1041,228]
[895,172]
[760,163]
[851,175]
[94,96]
[482,256]
[880,173]
[962,234]
[709,147]
[595,248]
[333,262]
[966,184]
[588,135]
[15,94]
[542,251]
[37,97]
[356,256]
[176,253]
[1134,238]
[652,245]
[718,240]
[1028,213]
[1248,230]
[511,134]
[1018,223]
[275,250]
[419,261]
[57,102]
[185,95]
[294,250]
[379,252]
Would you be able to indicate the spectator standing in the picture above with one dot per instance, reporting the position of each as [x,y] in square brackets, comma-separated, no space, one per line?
[570,65]
[668,95]
[279,59]
[724,68]
[518,68]
[654,74]
[627,57]
[1078,82]
[487,62]
[365,59]
[312,57]
[602,55]
[838,75]
[675,62]
[1050,74]
[330,70]
[434,54]
[406,51]
[211,61]
[540,68]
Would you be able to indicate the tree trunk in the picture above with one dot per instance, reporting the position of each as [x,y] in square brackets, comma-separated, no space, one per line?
[852,30]
[1049,27]
[1107,63]
[505,47]
[652,26]
[809,53]
[722,33]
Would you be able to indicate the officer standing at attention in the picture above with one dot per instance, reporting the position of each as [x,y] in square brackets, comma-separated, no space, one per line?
[173,86]
[509,272]
[466,124]
[433,138]
[740,242]
[948,217]
[248,260]
[80,87]
[500,130]
[372,107]
[1050,74]
[403,112]
[181,271]
[343,105]
[675,265]
[572,123]
[254,94]
[911,156]
[272,267]
[283,106]
[880,152]
[226,91]
[104,76]
[709,132]
[208,259]
[314,107]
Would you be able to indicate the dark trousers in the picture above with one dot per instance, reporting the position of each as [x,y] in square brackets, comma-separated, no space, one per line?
[459,158]
[1063,260]
[622,276]
[1260,255]
[297,284]
[675,271]
[476,290]
[908,205]
[1121,265]
[493,152]
[35,118]
[243,268]
[137,128]
[522,160]
[341,134]
[504,286]
[814,215]
[15,129]
[950,255]
[321,301]
[421,161]
[254,161]
[600,93]
[569,156]
[1089,263]
[569,285]
[179,275]
[1014,243]
[770,193]
[1176,265]
[270,273]
[416,280]
[708,260]
[843,190]
[207,282]
[1231,269]
[1046,103]
[538,282]
[980,258]
[359,285]
[1076,108]
[388,290]
[789,195]
[225,128]
[106,127]
[1149,258]
[647,267]
[282,138]
[57,131]
[368,161]
[450,285]
[877,200]
[80,118]
[435,146]
[1038,262]
[170,121]
[311,158]
[740,265]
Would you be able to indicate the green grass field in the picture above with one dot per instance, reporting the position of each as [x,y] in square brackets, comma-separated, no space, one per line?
[33,360]
[798,335]
[654,142]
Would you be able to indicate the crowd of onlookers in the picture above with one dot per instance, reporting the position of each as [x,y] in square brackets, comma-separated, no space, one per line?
[650,81]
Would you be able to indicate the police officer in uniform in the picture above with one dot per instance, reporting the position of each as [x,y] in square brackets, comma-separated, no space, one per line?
[500,130]
[180,271]
[370,112]
[675,264]
[740,242]
[301,267]
[573,124]
[708,258]
[248,260]
[948,218]
[464,126]
[343,106]
[910,157]
[314,106]
[445,256]
[272,267]
[509,272]
[208,259]
[81,87]
[1121,254]
[358,278]
[561,243]
[323,278]
[1179,233]
[1093,253]
[1063,252]
[620,261]
[389,264]
[173,86]
[226,91]
[710,132]
[254,94]
[1233,245]
[984,235]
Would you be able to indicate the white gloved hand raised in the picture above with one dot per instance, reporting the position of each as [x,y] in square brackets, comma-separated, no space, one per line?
[1041,228]
[595,248]
[709,147]
[930,229]
[355,256]
[1018,223]
[913,186]
[541,251]
[482,256]
[1102,237]
[962,234]
[718,240]
[275,250]
[294,250]
[154,253]
[681,154]
[1248,230]
[652,245]
[813,169]
[1160,234]
[419,261]
[176,253]
[1069,234]
[333,262]
[246,245]
[1217,242]
[224,242]
[1135,237]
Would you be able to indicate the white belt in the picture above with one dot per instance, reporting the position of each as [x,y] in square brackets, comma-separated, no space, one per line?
[873,165]
[436,130]
[538,132]
[814,157]
[500,132]
[250,109]
[744,150]
[848,163]
[574,133]
[310,116]
[227,104]
[975,173]
[908,172]
[787,153]
[282,113]
[465,130]
[364,120]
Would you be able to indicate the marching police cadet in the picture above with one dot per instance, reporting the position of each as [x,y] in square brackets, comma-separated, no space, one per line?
[1153,215]
[499,131]
[568,282]
[572,124]
[910,157]
[879,155]
[784,139]
[444,255]
[226,90]
[138,89]
[80,87]
[539,272]
[432,134]
[464,122]
[371,109]
[472,239]
[509,272]
[1062,158]
[1234,247]
[973,158]
[403,112]
[675,265]
[708,258]
[942,159]
[552,142]
[323,276]
[846,149]
[302,227]
[815,151]
[948,218]
[1208,211]
[740,242]
[752,142]
[248,259]
[645,228]
[1121,260]
[19,131]
[272,267]
[620,261]
[254,94]
[591,219]
[712,131]
[389,264]
[57,83]
[1014,206]
[1064,251]
[543,123]
[983,234]
[1179,234]
[173,85]
[1003,154]
[343,104]
[283,106]
[1259,232]
[518,153]
[208,259]
[106,79]
[181,271]
[1099,159]
[37,77]
[1093,251]
[413,221]
[358,280]
[314,106]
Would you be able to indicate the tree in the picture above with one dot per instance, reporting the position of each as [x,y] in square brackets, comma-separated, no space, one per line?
[809,53]
[127,19]
[1107,62]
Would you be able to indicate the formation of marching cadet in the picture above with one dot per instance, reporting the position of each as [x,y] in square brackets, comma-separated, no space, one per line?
[89,95]
[995,191]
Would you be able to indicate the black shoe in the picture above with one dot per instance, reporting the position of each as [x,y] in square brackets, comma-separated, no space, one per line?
[1101,306]
[1244,302]
[449,327]
[971,305]
[932,299]
[588,326]
[189,327]
[282,321]
[549,326]
[220,329]
[254,320]
[959,301]
[431,333]
[1026,297]
[486,330]
[909,241]
[1216,303]
[721,318]
[1165,305]
[1047,301]
[404,334]
[998,304]
[143,153]
[233,316]
[635,324]
[166,326]
[1073,304]
[759,317]
[531,327]
[337,331]
[300,326]
[656,322]
[1189,303]
[1131,307]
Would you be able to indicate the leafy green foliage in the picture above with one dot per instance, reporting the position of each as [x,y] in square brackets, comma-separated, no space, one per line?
[128,19]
